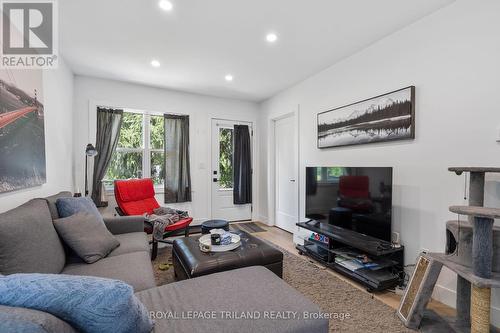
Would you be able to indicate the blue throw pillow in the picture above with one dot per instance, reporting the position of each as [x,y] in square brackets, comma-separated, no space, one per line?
[70,206]
[89,304]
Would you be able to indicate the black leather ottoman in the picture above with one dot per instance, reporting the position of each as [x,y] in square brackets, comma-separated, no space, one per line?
[190,262]
[214,224]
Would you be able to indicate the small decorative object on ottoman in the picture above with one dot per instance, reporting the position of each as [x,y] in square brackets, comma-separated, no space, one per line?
[189,261]
[219,240]
[214,224]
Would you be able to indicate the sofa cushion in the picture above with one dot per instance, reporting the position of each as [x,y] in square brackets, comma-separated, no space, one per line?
[9,323]
[85,234]
[51,202]
[90,304]
[133,268]
[28,241]
[49,323]
[245,290]
[70,206]
[131,242]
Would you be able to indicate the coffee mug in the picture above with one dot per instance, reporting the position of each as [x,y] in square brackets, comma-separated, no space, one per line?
[215,239]
[205,247]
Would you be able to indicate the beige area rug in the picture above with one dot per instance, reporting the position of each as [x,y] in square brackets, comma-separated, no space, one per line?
[332,295]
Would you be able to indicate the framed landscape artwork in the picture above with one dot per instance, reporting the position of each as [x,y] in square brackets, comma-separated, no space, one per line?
[22,135]
[382,118]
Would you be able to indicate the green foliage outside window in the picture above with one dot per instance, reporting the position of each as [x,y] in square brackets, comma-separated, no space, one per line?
[157,139]
[157,167]
[131,131]
[226,158]
[157,132]
[124,165]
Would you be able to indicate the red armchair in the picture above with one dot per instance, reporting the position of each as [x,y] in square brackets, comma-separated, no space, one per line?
[137,197]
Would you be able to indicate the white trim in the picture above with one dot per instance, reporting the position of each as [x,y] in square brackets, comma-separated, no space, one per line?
[253,135]
[263,219]
[272,163]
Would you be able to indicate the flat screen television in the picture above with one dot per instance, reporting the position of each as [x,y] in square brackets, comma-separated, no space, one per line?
[355,198]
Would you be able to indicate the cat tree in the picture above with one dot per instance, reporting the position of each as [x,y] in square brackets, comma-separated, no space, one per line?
[470,254]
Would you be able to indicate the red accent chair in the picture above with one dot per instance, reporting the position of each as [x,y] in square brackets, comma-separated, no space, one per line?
[354,193]
[137,197]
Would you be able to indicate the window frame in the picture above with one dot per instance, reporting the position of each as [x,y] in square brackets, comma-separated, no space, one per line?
[145,149]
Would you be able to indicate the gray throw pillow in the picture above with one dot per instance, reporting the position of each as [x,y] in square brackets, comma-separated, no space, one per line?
[85,234]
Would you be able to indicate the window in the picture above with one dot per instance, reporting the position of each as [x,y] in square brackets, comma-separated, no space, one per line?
[139,153]
[226,158]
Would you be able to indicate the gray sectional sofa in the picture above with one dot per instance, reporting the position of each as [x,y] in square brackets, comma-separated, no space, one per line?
[30,244]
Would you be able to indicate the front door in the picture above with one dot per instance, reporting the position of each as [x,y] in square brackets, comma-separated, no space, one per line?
[222,173]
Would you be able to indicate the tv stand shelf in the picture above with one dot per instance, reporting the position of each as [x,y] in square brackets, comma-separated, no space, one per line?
[368,244]
[389,260]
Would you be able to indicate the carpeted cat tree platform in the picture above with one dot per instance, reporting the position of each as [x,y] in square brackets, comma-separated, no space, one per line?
[472,253]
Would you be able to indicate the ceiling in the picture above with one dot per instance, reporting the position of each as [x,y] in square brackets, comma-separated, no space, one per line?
[200,41]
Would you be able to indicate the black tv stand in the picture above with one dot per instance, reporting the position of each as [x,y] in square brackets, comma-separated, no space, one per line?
[331,245]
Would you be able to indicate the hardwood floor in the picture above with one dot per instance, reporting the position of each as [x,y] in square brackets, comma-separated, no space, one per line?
[284,239]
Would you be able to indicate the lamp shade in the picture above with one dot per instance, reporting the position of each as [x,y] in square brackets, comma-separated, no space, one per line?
[90,150]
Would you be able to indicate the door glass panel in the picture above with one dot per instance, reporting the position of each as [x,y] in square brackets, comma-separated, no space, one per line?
[157,169]
[226,158]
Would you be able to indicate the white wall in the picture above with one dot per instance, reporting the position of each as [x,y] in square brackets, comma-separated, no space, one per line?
[90,92]
[453,59]
[58,100]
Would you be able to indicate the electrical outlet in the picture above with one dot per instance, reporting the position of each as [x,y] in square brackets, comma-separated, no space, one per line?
[395,237]
[399,291]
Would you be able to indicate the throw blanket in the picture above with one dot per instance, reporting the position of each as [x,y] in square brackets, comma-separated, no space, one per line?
[162,217]
[89,304]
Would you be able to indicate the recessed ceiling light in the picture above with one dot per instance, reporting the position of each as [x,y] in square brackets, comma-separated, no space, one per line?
[165,5]
[228,77]
[271,37]
[155,63]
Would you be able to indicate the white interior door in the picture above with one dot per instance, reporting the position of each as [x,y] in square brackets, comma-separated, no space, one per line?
[222,173]
[286,174]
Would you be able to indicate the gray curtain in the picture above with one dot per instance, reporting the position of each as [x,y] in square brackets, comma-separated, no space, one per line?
[177,168]
[242,164]
[109,123]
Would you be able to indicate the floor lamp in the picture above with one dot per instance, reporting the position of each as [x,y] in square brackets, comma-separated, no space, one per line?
[90,151]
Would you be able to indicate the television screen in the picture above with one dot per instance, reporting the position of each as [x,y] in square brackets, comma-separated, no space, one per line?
[359,199]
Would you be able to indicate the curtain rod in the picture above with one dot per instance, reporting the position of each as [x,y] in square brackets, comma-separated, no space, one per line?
[140,111]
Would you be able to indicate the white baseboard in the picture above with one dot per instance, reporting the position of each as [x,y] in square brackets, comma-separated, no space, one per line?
[263,219]
[199,220]
[448,297]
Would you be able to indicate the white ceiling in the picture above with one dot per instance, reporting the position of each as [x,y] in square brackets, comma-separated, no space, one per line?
[200,41]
